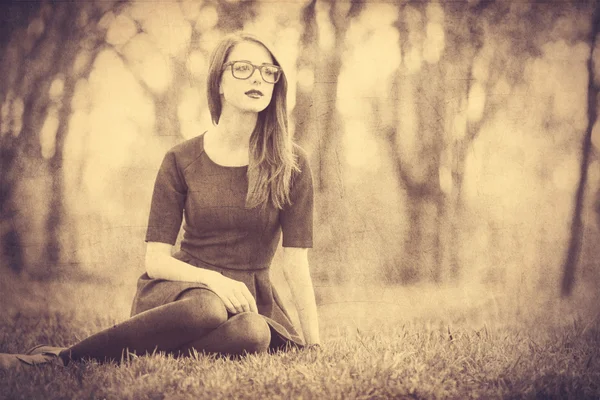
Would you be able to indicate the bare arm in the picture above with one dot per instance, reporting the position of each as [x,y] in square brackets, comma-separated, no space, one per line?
[161,265]
[297,274]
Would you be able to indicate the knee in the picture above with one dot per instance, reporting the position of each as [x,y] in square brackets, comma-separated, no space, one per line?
[205,307]
[253,331]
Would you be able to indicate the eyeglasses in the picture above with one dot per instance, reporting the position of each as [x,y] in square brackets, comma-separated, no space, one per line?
[245,69]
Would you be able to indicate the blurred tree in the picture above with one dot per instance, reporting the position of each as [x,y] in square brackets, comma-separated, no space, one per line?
[48,48]
[317,122]
[325,97]
[233,15]
[475,61]
[74,31]
[574,249]
[440,104]
[40,51]
[14,18]
[327,134]
[166,98]
[304,114]
[465,38]
[417,118]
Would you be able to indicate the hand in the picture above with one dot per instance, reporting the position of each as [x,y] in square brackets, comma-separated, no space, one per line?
[234,294]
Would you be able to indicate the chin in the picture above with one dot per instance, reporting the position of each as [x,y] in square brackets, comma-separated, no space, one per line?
[248,105]
[258,107]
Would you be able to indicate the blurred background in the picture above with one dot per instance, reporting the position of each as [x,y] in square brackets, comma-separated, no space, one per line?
[453,144]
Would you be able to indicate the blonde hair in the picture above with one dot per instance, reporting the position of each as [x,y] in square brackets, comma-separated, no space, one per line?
[272,158]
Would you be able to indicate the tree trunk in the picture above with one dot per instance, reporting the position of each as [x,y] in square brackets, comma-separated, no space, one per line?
[55,223]
[572,255]
[327,168]
[55,216]
[418,171]
[304,112]
[28,64]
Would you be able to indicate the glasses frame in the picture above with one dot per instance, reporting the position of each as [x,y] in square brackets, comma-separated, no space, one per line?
[261,68]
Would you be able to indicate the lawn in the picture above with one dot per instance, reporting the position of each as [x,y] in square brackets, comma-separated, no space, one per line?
[379,343]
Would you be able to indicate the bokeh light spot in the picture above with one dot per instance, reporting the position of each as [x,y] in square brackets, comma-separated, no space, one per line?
[476,102]
[121,29]
[434,43]
[196,64]
[207,18]
[170,31]
[306,79]
[56,88]
[36,27]
[361,149]
[190,9]
[48,133]
[18,108]
[413,60]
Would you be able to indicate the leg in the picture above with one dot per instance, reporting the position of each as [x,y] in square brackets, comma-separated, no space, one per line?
[164,328]
[243,333]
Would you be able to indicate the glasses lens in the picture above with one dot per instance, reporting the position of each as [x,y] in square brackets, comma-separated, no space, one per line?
[270,73]
[242,70]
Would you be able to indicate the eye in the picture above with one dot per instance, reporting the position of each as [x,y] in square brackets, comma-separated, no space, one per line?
[241,67]
[270,71]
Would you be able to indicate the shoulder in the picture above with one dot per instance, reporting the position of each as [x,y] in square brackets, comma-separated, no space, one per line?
[186,152]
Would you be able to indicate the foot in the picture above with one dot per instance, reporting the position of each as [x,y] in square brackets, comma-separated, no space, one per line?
[41,354]
[37,359]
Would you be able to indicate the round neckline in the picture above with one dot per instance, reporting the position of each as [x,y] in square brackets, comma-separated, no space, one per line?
[216,163]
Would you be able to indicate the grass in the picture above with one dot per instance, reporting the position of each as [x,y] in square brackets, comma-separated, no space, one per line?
[413,343]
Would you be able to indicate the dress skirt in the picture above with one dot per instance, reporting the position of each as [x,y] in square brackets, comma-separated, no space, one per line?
[153,293]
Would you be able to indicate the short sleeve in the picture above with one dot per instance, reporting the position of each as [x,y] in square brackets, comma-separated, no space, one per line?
[297,218]
[168,199]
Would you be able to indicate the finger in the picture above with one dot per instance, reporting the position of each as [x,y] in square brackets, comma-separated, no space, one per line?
[228,305]
[237,300]
[253,307]
[237,307]
[250,299]
[242,302]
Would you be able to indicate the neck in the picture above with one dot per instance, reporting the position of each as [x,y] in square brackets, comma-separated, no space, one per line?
[235,128]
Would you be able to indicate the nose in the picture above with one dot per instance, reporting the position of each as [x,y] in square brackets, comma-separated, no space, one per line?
[256,76]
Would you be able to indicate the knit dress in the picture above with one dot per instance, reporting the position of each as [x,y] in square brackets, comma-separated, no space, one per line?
[220,233]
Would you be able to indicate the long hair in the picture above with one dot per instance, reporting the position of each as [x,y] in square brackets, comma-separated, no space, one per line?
[271,159]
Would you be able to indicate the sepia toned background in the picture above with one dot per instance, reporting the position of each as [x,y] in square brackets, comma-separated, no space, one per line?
[451,143]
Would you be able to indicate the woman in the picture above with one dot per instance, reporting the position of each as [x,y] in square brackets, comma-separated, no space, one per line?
[241,186]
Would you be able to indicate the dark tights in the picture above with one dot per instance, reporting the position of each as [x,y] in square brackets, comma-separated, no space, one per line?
[197,320]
